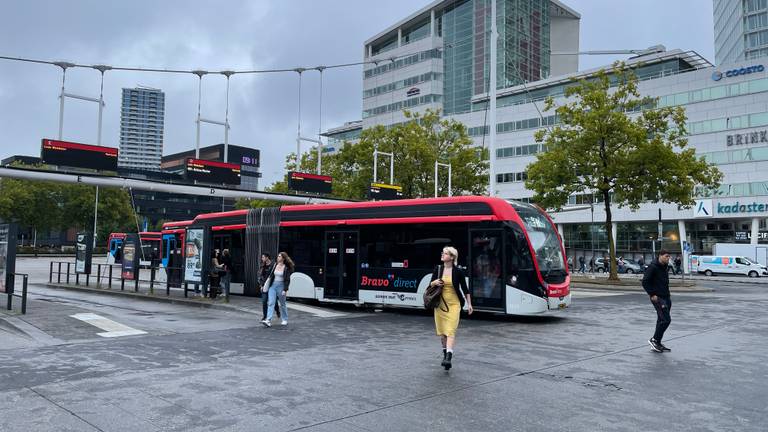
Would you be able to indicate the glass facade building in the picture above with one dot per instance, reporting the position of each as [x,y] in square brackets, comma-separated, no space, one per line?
[142,119]
[741,30]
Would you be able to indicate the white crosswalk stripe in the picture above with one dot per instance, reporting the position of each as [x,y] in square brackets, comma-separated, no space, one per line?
[112,328]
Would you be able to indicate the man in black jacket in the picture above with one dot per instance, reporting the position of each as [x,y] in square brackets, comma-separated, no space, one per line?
[656,284]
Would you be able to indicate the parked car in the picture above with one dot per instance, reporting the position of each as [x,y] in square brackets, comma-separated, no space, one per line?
[630,266]
[710,265]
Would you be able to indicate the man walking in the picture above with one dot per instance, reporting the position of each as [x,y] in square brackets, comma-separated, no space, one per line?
[656,284]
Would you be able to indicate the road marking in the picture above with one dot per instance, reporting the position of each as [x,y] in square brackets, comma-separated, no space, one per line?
[112,328]
[597,293]
[322,313]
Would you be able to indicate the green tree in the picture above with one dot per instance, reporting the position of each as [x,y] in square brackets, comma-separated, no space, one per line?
[416,145]
[600,149]
[31,203]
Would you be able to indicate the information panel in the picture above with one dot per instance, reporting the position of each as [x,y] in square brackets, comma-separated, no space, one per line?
[212,172]
[306,182]
[70,154]
[83,253]
[131,252]
[380,191]
[7,257]
[193,255]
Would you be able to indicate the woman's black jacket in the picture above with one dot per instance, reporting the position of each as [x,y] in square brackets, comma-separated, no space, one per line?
[458,275]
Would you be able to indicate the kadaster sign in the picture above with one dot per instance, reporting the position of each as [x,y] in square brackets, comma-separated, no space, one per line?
[742,207]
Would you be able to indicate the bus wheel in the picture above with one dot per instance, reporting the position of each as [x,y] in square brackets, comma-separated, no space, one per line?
[708,272]
[753,274]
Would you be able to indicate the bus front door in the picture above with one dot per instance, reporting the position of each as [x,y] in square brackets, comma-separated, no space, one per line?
[341,252]
[486,269]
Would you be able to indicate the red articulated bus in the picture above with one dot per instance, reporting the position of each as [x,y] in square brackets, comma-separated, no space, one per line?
[384,252]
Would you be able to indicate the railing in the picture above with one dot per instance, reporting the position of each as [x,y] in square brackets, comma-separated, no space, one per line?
[109,276]
[11,291]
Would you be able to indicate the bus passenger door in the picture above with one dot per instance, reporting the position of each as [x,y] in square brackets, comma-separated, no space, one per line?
[341,252]
[486,269]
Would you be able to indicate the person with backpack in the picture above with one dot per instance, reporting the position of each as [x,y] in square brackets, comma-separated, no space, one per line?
[656,284]
[226,273]
[279,282]
[454,294]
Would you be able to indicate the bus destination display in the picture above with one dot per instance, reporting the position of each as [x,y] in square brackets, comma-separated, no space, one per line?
[306,182]
[70,154]
[382,191]
[213,172]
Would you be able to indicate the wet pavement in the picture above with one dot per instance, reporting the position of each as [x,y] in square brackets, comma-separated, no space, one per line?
[588,368]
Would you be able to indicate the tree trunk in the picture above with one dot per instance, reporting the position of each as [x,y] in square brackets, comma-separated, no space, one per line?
[613,275]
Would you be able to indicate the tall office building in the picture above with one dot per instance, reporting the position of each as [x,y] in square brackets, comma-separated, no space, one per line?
[438,57]
[141,128]
[741,30]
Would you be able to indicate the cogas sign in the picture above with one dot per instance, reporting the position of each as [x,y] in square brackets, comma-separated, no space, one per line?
[717,75]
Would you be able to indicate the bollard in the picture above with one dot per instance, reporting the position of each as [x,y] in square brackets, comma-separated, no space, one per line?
[87,279]
[152,280]
[186,288]
[167,284]
[122,283]
[77,278]
[58,274]
[68,273]
[24,296]
[109,282]
[136,278]
[50,274]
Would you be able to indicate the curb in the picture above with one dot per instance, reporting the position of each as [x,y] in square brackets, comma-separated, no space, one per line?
[606,287]
[147,297]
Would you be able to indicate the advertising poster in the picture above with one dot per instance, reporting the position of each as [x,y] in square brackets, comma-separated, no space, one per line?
[130,257]
[83,253]
[7,257]
[193,256]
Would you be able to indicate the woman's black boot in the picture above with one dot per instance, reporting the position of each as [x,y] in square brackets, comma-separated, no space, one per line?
[447,360]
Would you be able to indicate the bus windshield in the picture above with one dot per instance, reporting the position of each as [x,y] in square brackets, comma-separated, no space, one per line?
[544,239]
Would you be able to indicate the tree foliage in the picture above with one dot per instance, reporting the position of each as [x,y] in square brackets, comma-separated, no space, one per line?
[601,149]
[416,145]
[46,206]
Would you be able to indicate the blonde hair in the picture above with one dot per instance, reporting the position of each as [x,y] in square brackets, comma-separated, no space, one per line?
[452,252]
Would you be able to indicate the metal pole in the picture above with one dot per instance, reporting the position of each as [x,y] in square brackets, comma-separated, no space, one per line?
[61,100]
[375,164]
[298,129]
[435,179]
[199,74]
[450,193]
[95,215]
[492,101]
[392,168]
[320,125]
[226,119]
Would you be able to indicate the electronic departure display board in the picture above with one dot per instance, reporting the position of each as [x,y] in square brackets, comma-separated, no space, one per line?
[212,172]
[382,191]
[63,153]
[306,182]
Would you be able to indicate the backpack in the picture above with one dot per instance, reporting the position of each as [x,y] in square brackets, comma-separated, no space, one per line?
[434,294]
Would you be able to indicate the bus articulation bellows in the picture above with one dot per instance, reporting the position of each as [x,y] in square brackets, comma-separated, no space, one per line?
[384,252]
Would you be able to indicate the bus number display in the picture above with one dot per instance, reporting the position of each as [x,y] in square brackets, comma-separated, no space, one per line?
[70,154]
[380,191]
[213,172]
[305,182]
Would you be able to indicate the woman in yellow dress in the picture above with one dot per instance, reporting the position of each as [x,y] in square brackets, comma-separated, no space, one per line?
[454,295]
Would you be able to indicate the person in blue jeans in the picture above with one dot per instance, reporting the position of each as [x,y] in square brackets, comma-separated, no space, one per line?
[279,281]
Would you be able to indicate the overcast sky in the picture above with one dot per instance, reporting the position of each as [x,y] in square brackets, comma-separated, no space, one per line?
[255,34]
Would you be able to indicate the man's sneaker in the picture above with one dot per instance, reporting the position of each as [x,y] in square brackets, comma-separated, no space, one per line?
[664,348]
[284,322]
[266,323]
[655,346]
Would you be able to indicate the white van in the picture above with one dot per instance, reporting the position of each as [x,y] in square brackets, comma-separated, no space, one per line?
[711,264]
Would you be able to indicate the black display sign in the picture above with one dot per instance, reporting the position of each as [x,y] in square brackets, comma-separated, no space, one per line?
[7,257]
[403,280]
[381,191]
[306,182]
[83,253]
[244,156]
[63,153]
[212,172]
[131,253]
